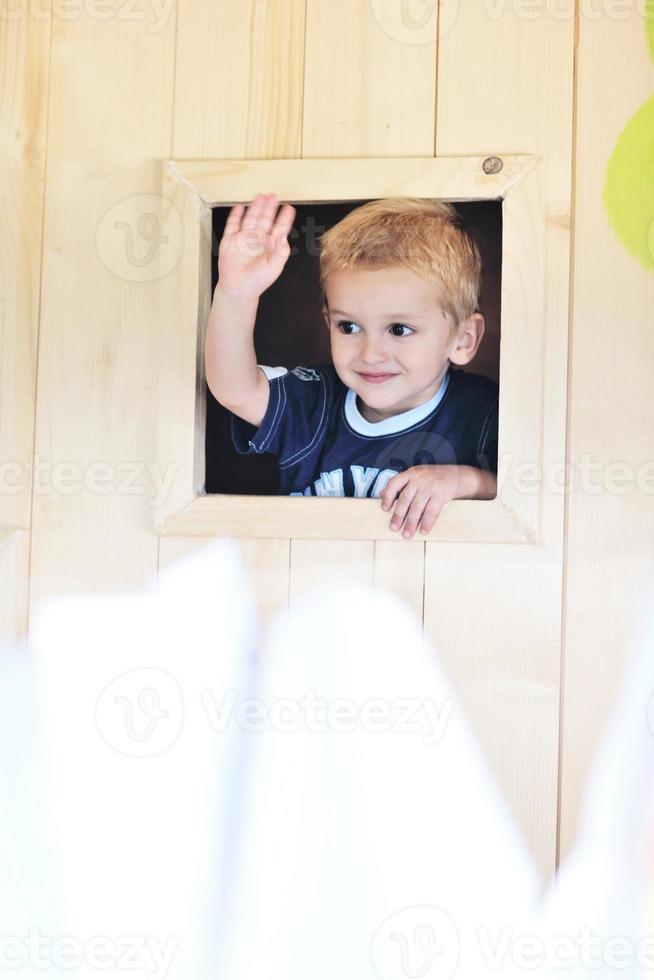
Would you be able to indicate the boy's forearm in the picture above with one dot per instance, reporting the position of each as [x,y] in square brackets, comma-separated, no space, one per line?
[475,484]
[229,357]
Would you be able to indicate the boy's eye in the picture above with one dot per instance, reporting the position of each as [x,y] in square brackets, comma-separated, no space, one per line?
[345,323]
[348,323]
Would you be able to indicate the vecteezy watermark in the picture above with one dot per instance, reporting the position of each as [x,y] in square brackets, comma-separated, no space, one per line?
[581,474]
[421,942]
[99,477]
[422,21]
[415,21]
[155,13]
[131,241]
[306,234]
[141,712]
[424,941]
[585,949]
[312,713]
[43,952]
[564,9]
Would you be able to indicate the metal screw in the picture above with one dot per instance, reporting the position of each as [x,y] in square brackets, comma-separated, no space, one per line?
[492,165]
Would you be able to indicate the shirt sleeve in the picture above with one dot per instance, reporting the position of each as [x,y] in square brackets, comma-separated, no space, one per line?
[487,452]
[295,418]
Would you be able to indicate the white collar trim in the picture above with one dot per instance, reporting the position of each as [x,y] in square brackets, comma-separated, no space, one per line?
[395,423]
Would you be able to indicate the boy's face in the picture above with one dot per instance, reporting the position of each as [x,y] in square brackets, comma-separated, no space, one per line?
[388,322]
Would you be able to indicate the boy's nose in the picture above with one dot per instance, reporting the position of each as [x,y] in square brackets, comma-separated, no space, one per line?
[373,352]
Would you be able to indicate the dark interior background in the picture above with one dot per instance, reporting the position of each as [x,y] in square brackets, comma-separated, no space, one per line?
[289,328]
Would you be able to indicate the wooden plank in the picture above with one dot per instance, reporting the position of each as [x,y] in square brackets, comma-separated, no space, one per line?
[269,588]
[321,518]
[238,93]
[316,180]
[505,601]
[110,125]
[315,564]
[610,559]
[181,410]
[354,112]
[24,79]
[14,576]
[484,617]
[238,86]
[366,94]
[400,568]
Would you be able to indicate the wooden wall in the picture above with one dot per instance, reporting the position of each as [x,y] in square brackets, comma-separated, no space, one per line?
[535,636]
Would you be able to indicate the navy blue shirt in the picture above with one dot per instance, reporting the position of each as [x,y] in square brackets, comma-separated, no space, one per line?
[326,448]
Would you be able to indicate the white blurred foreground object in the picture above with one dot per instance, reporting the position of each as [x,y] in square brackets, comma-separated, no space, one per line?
[138,782]
[171,808]
[373,839]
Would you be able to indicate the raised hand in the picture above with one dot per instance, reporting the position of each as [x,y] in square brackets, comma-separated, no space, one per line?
[254,247]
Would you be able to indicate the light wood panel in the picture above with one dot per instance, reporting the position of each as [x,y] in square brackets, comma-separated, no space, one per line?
[339,517]
[238,94]
[315,564]
[267,578]
[401,570]
[351,110]
[189,185]
[366,95]
[610,548]
[493,620]
[493,611]
[14,581]
[501,636]
[24,66]
[239,77]
[110,118]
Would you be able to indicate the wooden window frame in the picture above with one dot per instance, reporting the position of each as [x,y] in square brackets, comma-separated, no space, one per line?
[191,188]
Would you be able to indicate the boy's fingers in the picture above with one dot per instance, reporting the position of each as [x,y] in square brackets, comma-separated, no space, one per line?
[414,515]
[268,212]
[401,507]
[233,222]
[284,221]
[253,213]
[391,490]
[429,517]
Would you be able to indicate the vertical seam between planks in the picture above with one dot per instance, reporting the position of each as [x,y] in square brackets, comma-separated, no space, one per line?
[566,504]
[38,325]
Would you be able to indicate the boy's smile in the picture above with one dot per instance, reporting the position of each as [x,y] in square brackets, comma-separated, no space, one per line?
[391,341]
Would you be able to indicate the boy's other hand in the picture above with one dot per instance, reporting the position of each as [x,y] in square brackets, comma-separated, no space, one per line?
[254,247]
[422,491]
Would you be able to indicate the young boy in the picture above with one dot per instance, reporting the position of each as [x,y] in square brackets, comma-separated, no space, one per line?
[390,418]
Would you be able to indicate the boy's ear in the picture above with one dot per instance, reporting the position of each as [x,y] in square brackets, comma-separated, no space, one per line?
[325,314]
[468,339]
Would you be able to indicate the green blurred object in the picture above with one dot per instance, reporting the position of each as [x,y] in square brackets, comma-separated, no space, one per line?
[629,178]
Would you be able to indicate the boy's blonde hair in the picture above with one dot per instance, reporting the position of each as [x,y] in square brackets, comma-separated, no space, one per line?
[422,235]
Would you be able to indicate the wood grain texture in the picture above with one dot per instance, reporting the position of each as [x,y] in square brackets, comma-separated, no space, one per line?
[24,77]
[239,79]
[339,178]
[610,546]
[91,110]
[269,587]
[365,94]
[345,518]
[504,648]
[354,112]
[238,94]
[107,130]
